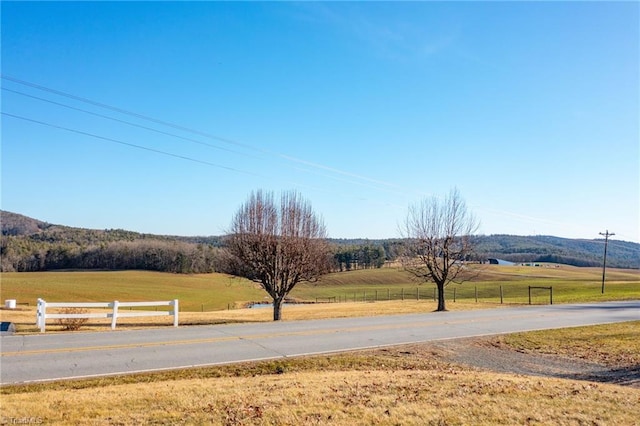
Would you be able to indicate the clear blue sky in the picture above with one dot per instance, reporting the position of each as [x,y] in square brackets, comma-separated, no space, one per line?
[530,109]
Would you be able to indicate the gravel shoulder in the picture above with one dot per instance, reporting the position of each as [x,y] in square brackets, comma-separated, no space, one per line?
[488,353]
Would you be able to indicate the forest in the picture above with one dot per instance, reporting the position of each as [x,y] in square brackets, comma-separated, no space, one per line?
[31,245]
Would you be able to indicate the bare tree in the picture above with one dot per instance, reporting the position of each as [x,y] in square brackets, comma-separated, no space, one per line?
[278,246]
[438,240]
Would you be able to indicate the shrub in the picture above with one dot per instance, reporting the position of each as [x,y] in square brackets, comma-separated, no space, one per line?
[72,323]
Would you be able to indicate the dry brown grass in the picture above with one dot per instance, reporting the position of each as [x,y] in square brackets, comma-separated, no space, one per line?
[343,310]
[613,345]
[24,318]
[386,387]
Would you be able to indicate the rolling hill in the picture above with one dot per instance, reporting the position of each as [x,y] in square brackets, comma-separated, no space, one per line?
[29,244]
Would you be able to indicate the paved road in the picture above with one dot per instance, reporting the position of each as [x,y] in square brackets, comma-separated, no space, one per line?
[45,357]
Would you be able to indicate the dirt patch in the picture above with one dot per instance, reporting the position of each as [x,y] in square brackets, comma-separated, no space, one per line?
[488,353]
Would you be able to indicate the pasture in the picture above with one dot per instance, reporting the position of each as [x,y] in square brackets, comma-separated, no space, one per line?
[218,298]
[214,292]
[570,284]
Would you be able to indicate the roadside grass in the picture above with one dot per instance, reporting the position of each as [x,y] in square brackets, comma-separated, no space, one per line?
[613,345]
[408,385]
[380,396]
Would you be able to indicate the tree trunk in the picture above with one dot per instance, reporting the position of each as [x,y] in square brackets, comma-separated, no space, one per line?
[441,304]
[277,308]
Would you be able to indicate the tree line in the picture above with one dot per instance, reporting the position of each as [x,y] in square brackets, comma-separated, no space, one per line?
[32,254]
[19,254]
[29,245]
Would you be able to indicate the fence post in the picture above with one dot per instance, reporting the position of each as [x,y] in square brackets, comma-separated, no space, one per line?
[529,294]
[501,298]
[417,293]
[38,312]
[476,289]
[41,315]
[403,294]
[376,295]
[388,294]
[454,294]
[175,312]
[551,295]
[114,316]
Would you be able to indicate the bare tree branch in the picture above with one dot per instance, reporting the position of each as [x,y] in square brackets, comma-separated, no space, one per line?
[279,246]
[438,233]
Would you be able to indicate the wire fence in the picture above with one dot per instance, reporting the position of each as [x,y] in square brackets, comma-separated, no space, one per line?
[502,294]
[498,294]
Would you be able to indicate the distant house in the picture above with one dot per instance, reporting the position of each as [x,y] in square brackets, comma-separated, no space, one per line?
[493,261]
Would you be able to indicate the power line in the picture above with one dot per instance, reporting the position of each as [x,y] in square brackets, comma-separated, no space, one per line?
[351,182]
[132,145]
[390,186]
[398,188]
[123,111]
[359,180]
[123,121]
[157,151]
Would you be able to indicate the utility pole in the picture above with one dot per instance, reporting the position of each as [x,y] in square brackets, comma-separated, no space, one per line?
[604,262]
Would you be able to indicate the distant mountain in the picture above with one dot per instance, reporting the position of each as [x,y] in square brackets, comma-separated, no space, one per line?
[540,248]
[29,244]
[543,248]
[18,225]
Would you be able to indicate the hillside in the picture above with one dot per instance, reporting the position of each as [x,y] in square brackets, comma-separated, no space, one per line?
[577,252]
[539,248]
[32,245]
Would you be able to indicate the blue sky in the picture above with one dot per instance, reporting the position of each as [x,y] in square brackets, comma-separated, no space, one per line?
[162,117]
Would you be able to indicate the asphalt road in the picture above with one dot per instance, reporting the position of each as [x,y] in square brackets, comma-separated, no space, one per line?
[34,358]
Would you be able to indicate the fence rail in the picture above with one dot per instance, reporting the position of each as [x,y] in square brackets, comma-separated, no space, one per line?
[42,315]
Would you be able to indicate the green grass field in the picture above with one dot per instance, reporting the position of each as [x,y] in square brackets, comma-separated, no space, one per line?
[570,284]
[196,292]
[210,292]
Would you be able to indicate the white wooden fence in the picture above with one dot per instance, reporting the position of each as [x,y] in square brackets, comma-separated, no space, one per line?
[42,315]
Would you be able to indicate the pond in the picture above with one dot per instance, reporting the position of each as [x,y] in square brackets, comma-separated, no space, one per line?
[268,305]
